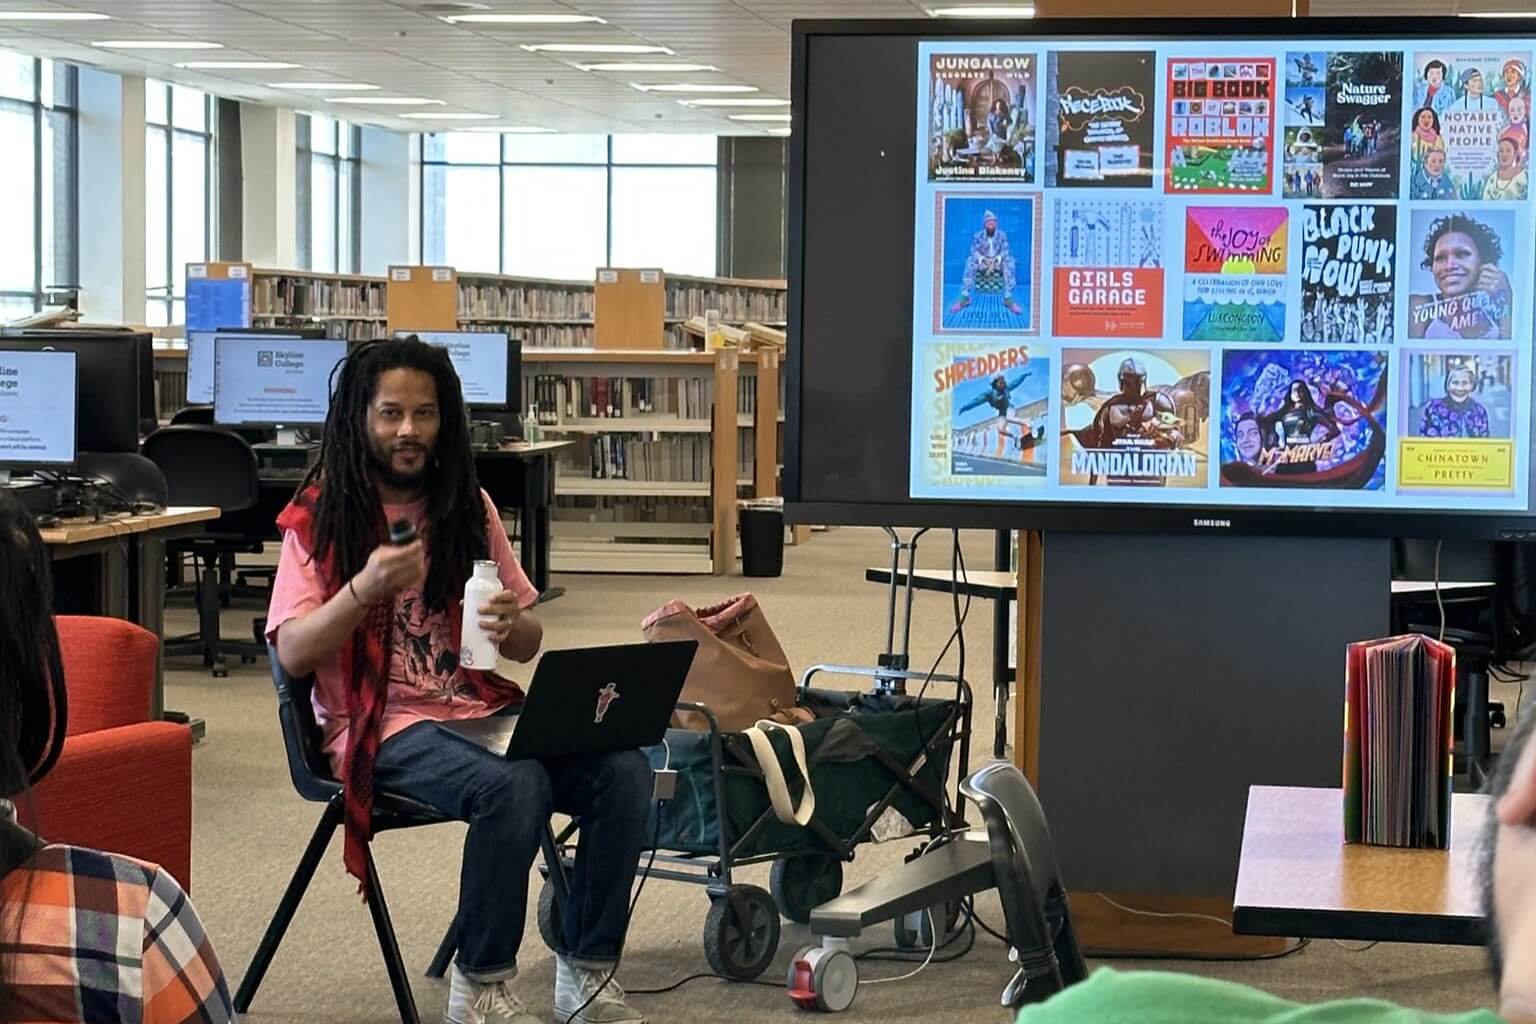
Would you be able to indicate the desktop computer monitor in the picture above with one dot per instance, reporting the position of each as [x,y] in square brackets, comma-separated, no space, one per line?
[38,394]
[200,357]
[273,380]
[489,365]
[108,371]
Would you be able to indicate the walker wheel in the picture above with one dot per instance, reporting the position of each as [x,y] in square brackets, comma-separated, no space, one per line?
[823,979]
[741,932]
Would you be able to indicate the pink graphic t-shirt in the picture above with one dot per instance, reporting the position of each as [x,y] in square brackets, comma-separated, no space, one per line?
[425,682]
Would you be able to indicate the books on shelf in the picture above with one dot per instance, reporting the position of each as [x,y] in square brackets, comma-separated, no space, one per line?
[282,295]
[481,299]
[561,398]
[637,457]
[688,297]
[539,335]
[1397,742]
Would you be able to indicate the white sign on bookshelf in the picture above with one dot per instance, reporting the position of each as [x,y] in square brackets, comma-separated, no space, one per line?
[442,275]
[399,273]
[239,273]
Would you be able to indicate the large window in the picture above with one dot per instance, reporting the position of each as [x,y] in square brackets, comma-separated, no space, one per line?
[39,142]
[178,211]
[329,193]
[568,203]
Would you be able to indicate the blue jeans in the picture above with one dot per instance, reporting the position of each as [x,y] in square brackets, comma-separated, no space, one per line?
[507,805]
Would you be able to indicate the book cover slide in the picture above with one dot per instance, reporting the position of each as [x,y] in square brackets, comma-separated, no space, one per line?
[1460,284]
[1135,419]
[1348,273]
[981,123]
[986,274]
[1234,273]
[1304,418]
[1108,268]
[1221,124]
[1470,126]
[983,414]
[1099,131]
[1343,124]
[1457,433]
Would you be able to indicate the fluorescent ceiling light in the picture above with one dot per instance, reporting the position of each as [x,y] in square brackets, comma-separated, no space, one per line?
[594,48]
[514,129]
[969,11]
[449,116]
[760,117]
[1498,14]
[156,44]
[628,67]
[691,87]
[387,101]
[53,16]
[237,65]
[735,102]
[778,131]
[523,19]
[325,86]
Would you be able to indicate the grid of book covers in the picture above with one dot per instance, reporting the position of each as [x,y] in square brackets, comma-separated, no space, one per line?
[1265,273]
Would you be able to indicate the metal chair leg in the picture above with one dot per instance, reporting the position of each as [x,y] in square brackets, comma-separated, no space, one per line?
[393,962]
[286,907]
[445,950]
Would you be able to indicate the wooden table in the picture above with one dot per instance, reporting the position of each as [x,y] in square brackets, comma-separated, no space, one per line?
[131,581]
[1296,876]
[521,475]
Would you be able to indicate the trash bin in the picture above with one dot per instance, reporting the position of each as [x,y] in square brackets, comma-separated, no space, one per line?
[762,538]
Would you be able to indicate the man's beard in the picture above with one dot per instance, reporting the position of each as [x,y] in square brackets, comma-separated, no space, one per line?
[382,464]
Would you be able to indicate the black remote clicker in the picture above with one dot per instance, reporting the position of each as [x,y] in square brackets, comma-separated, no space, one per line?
[402,532]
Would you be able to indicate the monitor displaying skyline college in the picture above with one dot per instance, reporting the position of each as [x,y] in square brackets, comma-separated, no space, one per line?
[268,380]
[480,360]
[1273,272]
[38,392]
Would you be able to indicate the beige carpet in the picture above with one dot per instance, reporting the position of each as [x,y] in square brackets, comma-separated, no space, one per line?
[250,828]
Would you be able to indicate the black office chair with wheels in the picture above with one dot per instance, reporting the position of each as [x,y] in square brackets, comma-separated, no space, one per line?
[206,465]
[134,480]
[312,779]
[193,416]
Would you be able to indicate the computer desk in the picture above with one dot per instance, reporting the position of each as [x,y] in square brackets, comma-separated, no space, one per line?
[1297,877]
[130,581]
[516,475]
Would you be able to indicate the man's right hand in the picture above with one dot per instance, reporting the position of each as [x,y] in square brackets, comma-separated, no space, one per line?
[389,571]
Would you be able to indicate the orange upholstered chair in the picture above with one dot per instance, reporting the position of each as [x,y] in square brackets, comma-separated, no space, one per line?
[123,783]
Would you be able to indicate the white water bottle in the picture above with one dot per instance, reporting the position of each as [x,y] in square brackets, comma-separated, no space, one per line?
[476,648]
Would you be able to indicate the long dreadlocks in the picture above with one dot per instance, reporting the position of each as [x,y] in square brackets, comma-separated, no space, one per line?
[349,518]
[33,705]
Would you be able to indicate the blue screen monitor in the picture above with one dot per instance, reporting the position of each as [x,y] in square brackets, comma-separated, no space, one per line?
[481,359]
[38,392]
[269,380]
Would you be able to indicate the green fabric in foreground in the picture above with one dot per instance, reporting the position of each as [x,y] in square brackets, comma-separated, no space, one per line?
[1157,997]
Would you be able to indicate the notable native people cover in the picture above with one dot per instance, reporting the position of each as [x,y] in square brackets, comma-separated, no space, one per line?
[1457,434]
[1348,265]
[1343,124]
[1221,124]
[1234,273]
[1101,113]
[1108,267]
[981,124]
[1460,283]
[983,407]
[1313,418]
[1134,418]
[1470,127]
[987,263]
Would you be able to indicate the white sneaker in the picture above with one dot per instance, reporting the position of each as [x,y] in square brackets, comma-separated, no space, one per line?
[473,1002]
[575,985]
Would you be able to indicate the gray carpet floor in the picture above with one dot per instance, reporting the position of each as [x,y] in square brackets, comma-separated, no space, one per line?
[250,827]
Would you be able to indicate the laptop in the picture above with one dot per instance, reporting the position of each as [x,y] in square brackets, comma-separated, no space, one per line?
[591,700]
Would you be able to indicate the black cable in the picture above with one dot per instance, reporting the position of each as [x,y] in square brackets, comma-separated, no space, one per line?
[1208,958]
[699,977]
[999,936]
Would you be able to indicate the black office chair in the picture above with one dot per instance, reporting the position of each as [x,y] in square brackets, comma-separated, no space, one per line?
[136,479]
[206,465]
[312,779]
[193,416]
[1041,939]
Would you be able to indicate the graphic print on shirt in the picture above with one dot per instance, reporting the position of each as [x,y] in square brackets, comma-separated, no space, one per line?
[425,659]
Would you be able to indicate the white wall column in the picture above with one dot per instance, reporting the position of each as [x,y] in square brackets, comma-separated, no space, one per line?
[387,213]
[112,197]
[269,152]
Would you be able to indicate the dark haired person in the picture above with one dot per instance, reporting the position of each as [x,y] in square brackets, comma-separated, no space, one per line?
[1431,89]
[378,626]
[1508,881]
[85,936]
[1474,298]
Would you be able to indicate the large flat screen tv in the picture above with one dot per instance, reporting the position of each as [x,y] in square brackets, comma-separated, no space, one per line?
[1247,275]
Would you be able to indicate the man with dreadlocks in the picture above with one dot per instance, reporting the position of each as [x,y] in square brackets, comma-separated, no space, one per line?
[378,626]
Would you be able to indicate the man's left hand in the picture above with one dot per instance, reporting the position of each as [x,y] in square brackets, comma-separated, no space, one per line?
[499,615]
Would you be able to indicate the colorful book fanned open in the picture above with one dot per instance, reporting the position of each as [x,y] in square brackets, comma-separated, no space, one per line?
[1397,742]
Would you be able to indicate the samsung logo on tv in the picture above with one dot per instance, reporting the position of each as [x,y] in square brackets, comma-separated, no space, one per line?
[1212,524]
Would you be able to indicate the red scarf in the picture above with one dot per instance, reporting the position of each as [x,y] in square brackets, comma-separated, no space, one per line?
[364,662]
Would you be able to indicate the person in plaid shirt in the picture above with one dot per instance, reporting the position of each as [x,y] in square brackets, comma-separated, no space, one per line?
[85,936]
